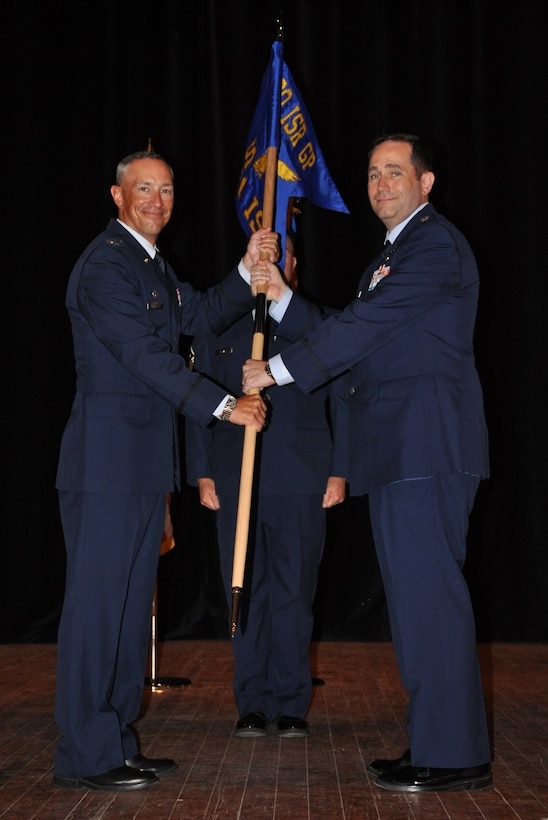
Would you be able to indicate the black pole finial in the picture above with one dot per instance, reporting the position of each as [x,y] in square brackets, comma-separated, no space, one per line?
[280,26]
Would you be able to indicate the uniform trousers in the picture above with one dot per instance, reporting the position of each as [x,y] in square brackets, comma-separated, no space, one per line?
[272,641]
[420,529]
[113,546]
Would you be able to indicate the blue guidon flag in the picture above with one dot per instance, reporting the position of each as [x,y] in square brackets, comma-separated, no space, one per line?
[281,121]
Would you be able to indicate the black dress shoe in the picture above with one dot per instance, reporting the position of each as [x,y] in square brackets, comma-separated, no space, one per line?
[383,765]
[429,779]
[121,779]
[251,725]
[292,726]
[160,766]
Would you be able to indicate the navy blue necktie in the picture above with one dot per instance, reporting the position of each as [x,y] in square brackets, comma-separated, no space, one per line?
[161,262]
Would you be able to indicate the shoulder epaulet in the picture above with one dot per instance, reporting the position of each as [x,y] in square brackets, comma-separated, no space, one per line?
[115,241]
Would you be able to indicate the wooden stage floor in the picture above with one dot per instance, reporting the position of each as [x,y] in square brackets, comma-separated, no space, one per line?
[357,714]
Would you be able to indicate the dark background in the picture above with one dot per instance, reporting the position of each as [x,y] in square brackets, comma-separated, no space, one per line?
[86,83]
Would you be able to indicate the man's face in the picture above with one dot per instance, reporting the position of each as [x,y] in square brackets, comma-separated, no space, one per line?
[392,185]
[290,265]
[145,197]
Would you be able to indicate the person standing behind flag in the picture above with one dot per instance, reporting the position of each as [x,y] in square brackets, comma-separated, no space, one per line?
[282,124]
[301,464]
[420,450]
[118,459]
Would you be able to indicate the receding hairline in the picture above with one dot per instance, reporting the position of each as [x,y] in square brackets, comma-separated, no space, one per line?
[124,164]
[422,153]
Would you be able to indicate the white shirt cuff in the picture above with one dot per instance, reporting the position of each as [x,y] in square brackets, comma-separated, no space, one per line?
[277,309]
[279,371]
[243,271]
[221,406]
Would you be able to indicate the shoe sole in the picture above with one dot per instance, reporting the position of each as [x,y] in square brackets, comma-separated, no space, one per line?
[459,786]
[82,783]
[250,732]
[293,733]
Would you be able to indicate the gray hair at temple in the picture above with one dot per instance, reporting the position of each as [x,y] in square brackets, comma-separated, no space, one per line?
[124,163]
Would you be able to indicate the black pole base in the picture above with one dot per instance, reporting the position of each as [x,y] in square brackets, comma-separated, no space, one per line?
[159,684]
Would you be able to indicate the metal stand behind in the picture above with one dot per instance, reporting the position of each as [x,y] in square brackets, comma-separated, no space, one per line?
[159,684]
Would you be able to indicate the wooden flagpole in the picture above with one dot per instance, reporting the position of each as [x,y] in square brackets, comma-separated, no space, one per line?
[250,434]
[257,349]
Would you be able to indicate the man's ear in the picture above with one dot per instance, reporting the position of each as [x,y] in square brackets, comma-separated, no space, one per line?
[292,278]
[116,193]
[427,182]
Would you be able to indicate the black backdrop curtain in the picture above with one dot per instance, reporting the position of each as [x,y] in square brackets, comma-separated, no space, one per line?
[86,83]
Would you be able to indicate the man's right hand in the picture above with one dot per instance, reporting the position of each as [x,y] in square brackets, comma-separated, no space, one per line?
[263,244]
[208,494]
[269,273]
[250,411]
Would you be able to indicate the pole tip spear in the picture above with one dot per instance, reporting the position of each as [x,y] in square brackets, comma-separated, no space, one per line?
[279,26]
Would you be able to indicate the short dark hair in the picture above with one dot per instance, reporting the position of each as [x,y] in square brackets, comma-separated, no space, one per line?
[124,163]
[422,153]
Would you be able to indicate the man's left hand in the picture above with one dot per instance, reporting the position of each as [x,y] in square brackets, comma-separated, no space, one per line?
[254,376]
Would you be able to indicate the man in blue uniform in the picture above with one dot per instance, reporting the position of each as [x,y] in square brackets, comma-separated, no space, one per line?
[119,457]
[419,451]
[300,468]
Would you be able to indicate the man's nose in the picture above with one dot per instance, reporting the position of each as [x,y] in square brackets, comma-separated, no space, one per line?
[156,196]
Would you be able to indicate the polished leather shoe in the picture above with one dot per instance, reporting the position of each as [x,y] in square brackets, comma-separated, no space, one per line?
[121,779]
[291,726]
[430,779]
[383,765]
[251,725]
[160,766]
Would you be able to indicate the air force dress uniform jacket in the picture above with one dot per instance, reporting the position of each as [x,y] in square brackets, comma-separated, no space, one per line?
[122,432]
[416,405]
